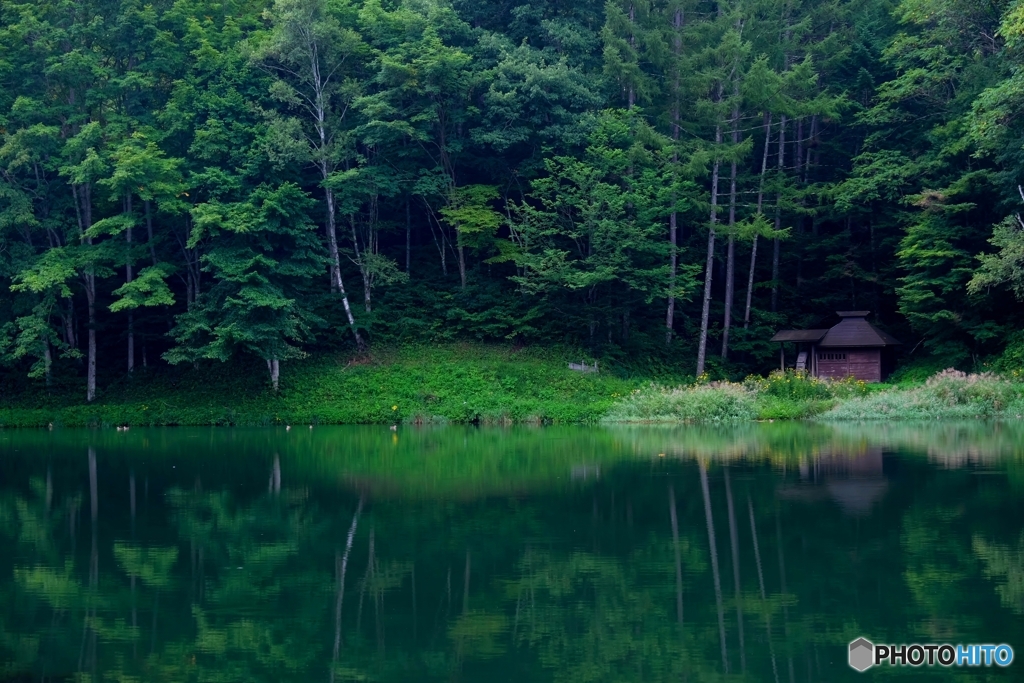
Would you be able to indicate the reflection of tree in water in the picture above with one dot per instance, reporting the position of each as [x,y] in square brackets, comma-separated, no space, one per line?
[613,579]
[1005,564]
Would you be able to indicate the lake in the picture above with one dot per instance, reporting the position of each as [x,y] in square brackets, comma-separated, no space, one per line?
[748,553]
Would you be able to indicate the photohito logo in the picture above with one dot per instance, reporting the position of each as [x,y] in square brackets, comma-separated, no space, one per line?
[864,654]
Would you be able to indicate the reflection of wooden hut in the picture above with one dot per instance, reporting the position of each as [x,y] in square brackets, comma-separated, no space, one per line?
[855,481]
[852,348]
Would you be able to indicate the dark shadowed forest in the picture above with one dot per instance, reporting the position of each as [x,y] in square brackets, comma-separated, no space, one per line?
[183,182]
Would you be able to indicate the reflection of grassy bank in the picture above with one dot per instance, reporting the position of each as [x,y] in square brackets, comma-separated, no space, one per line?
[461,462]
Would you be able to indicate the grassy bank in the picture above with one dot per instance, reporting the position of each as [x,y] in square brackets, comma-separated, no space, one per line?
[948,395]
[431,384]
[776,397]
[491,385]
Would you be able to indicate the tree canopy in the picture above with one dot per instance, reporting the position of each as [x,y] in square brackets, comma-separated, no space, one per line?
[643,178]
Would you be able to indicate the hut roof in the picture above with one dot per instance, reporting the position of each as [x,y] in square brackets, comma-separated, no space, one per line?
[799,335]
[854,330]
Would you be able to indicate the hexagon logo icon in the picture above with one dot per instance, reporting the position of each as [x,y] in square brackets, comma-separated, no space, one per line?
[862,654]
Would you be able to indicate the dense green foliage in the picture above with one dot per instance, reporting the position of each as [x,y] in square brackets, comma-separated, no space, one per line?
[186,183]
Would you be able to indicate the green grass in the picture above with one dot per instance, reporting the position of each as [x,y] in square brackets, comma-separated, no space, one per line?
[780,396]
[425,384]
[947,395]
[699,403]
[491,385]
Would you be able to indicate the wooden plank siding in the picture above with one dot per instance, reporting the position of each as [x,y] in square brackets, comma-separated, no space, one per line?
[863,364]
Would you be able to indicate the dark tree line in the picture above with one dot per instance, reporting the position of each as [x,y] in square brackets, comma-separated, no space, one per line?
[182,182]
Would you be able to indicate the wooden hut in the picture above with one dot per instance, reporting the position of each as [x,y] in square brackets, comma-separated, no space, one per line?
[852,348]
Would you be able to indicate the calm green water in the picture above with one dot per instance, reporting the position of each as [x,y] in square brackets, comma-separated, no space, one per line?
[461,554]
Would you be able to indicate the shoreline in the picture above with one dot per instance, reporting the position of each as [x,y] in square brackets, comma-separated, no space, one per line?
[501,386]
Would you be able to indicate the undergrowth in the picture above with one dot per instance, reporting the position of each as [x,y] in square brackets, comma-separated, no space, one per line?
[495,385]
[948,395]
[425,384]
[781,395]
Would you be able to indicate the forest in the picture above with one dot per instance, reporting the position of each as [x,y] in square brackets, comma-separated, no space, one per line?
[185,182]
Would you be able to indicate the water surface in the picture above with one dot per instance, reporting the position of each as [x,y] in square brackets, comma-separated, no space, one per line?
[753,553]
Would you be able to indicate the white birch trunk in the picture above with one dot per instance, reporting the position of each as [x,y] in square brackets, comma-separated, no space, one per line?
[274,368]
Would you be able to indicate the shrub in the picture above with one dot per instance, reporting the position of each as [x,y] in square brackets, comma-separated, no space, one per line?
[950,394]
[798,385]
[1011,361]
[774,408]
[716,402]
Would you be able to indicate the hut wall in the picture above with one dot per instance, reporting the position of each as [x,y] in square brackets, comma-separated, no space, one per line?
[863,364]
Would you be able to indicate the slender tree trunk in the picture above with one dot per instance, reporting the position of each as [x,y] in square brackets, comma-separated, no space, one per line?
[673,266]
[68,319]
[709,265]
[149,232]
[760,199]
[360,260]
[128,280]
[778,215]
[47,362]
[441,243]
[730,252]
[798,157]
[320,101]
[708,518]
[274,367]
[339,286]
[408,236]
[90,381]
[89,280]
[677,23]
[462,258]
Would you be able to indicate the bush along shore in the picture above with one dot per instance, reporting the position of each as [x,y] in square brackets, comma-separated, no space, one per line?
[947,395]
[489,385]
